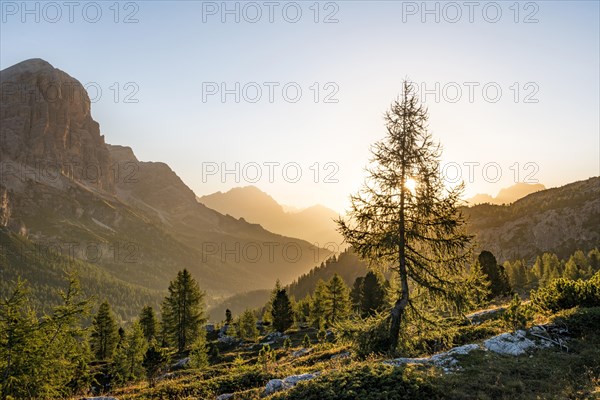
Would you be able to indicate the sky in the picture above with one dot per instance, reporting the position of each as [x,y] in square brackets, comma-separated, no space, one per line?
[289,96]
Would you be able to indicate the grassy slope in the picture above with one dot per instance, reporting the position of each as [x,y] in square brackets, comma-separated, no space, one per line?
[543,374]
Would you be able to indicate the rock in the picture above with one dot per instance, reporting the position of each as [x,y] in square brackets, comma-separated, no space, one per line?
[345,354]
[223,338]
[446,360]
[46,121]
[276,385]
[273,336]
[302,352]
[509,343]
[181,363]
[210,328]
[225,396]
[294,379]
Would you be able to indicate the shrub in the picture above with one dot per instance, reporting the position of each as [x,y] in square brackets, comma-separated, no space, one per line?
[516,315]
[368,336]
[306,341]
[369,382]
[562,294]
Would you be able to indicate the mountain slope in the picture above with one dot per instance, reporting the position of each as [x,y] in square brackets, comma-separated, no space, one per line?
[347,265]
[559,220]
[62,185]
[314,224]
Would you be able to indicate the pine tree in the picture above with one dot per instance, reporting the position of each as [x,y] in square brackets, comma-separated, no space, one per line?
[356,294]
[418,231]
[148,323]
[247,326]
[155,361]
[302,310]
[517,274]
[199,352]
[550,268]
[372,295]
[129,358]
[571,270]
[496,274]
[46,357]
[319,304]
[338,300]
[281,311]
[183,311]
[105,336]
[228,317]
[537,271]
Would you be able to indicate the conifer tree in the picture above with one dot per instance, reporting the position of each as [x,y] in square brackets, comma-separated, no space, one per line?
[129,358]
[319,304]
[155,360]
[247,326]
[372,295]
[338,300]
[282,311]
[105,336]
[496,274]
[356,294]
[148,323]
[183,311]
[418,231]
[228,317]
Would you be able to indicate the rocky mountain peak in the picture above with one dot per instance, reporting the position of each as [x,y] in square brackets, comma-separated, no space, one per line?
[46,123]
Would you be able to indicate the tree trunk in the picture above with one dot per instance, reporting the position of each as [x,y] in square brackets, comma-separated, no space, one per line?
[398,311]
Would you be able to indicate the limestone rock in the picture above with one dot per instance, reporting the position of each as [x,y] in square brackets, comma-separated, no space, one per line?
[47,124]
[509,343]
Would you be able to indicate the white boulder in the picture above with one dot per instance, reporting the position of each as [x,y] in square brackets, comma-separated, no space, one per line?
[513,344]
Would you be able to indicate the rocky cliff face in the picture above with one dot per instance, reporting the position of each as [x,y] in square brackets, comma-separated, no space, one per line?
[63,187]
[47,128]
[559,220]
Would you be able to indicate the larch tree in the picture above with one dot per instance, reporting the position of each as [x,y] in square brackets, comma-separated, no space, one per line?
[338,300]
[148,323]
[129,358]
[372,295]
[183,311]
[282,311]
[356,294]
[319,304]
[247,326]
[406,219]
[105,336]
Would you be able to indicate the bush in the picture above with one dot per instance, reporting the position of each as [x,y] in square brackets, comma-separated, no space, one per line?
[368,382]
[368,336]
[516,315]
[562,294]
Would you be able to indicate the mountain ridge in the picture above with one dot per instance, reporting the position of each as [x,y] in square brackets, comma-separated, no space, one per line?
[314,224]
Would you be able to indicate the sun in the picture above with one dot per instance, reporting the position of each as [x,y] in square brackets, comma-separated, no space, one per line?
[411,184]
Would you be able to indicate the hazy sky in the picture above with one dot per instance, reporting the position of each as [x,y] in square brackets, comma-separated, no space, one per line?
[527,75]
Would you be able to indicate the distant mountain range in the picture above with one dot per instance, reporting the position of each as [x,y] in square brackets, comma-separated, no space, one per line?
[559,220]
[314,224]
[63,186]
[507,195]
